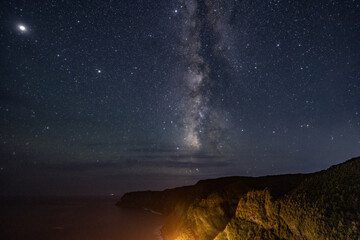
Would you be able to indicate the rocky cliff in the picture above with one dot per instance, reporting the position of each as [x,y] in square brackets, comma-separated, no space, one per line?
[322,205]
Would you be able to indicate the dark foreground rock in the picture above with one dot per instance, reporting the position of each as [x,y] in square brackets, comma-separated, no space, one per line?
[321,205]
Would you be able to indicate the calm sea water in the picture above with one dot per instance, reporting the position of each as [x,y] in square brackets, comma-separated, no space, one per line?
[75,219]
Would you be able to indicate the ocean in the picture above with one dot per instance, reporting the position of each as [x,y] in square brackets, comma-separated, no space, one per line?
[88,218]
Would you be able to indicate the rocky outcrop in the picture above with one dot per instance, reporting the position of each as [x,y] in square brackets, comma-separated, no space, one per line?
[323,205]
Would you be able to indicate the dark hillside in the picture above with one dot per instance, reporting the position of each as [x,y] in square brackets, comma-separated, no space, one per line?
[322,205]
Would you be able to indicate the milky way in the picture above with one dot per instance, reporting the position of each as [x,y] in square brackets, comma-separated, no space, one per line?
[205,124]
[163,93]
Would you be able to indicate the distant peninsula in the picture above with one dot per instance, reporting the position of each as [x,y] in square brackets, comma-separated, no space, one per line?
[321,205]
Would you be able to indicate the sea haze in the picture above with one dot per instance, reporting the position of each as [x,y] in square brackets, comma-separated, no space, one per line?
[75,218]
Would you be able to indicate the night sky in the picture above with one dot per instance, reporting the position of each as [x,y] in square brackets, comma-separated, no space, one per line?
[101,97]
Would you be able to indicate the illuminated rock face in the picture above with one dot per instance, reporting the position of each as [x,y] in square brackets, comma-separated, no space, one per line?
[323,205]
[204,219]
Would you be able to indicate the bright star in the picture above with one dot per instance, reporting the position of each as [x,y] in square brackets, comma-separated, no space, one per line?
[22,28]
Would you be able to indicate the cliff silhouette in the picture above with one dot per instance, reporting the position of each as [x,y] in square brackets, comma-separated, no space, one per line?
[321,205]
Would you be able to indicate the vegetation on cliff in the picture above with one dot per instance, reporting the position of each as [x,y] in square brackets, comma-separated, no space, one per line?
[322,205]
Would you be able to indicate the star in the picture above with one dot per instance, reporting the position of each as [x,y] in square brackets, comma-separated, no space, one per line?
[22,28]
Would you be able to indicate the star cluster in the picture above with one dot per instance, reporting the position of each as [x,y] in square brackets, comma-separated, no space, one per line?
[174,91]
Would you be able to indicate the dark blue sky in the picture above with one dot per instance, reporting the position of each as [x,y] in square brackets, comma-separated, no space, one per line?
[109,96]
